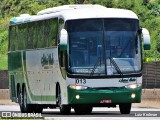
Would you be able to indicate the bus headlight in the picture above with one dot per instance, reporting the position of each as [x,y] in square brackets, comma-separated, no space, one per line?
[77,87]
[133,86]
[133,95]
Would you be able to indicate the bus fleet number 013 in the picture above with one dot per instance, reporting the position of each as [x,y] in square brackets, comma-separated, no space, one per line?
[80,81]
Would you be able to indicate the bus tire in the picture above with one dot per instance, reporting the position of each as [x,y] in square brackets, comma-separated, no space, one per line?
[83,109]
[19,96]
[64,109]
[38,109]
[26,108]
[125,108]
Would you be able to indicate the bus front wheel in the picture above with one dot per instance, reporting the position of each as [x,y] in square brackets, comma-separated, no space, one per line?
[64,109]
[83,109]
[125,108]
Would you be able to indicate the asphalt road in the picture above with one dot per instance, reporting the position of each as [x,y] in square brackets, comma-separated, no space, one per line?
[97,113]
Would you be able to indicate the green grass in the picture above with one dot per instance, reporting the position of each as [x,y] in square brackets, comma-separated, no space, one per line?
[3,62]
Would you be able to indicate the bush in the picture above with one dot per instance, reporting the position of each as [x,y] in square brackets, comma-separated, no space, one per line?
[4,42]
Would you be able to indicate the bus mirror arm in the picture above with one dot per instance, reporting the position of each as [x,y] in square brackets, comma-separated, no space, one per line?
[140,31]
[63,40]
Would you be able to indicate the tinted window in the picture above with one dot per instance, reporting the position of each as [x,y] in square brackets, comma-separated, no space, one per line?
[84,25]
[120,24]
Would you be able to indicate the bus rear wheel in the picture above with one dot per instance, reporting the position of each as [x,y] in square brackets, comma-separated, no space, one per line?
[125,108]
[19,96]
[25,108]
[64,109]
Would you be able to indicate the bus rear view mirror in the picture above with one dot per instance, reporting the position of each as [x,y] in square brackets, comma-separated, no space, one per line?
[63,39]
[146,39]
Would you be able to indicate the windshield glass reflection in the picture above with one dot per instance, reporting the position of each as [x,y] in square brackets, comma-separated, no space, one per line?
[93,42]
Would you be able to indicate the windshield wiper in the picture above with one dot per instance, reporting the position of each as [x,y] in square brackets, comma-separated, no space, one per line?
[116,67]
[95,65]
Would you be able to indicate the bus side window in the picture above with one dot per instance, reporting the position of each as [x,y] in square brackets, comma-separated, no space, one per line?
[16,38]
[12,38]
[22,36]
[46,32]
[35,35]
[29,41]
[52,40]
[40,34]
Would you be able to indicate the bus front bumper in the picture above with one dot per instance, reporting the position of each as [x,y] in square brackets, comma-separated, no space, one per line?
[104,96]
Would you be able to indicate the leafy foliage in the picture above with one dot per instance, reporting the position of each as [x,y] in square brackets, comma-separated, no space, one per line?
[148,12]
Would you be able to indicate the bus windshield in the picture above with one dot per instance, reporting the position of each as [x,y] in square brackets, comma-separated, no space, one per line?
[95,43]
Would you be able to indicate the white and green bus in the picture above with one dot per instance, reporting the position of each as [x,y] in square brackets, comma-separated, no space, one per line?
[76,56]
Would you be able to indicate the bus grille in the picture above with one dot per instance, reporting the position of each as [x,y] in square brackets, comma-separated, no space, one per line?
[106,88]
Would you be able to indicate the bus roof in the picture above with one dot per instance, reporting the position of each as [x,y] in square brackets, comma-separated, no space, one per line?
[98,13]
[70,12]
[68,7]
